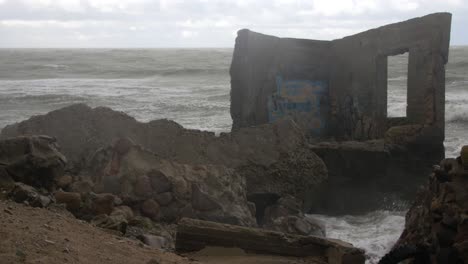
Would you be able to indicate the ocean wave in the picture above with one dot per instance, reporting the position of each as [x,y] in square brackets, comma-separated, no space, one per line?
[375,232]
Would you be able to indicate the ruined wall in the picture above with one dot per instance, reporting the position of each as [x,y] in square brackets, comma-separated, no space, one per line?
[261,64]
[351,72]
[358,76]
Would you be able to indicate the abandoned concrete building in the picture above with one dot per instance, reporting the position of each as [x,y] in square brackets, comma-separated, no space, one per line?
[340,86]
[337,91]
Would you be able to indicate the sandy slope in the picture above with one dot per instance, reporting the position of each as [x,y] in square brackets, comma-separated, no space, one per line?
[54,236]
[32,235]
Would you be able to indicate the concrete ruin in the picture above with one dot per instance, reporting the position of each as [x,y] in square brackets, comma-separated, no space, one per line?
[337,92]
[338,89]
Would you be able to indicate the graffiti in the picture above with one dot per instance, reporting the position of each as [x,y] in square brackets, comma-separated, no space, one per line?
[304,97]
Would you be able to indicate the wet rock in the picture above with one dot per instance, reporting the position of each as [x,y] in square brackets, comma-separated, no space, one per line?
[71,199]
[436,221]
[33,160]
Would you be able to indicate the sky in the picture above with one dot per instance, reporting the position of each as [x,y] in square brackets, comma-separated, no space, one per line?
[203,23]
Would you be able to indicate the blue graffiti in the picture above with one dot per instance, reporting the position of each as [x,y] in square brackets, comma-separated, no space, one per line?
[299,96]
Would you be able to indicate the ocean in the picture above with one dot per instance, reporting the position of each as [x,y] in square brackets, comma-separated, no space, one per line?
[191,86]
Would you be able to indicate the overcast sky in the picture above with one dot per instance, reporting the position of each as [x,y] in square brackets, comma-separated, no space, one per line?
[204,23]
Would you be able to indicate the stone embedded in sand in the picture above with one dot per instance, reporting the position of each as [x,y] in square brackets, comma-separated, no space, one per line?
[102,203]
[71,199]
[125,211]
[22,193]
[150,208]
[164,198]
[65,181]
[153,241]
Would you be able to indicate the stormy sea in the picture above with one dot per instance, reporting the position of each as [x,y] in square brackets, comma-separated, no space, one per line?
[191,86]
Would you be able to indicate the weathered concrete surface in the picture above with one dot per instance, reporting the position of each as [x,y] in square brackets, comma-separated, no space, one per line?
[194,235]
[370,175]
[354,70]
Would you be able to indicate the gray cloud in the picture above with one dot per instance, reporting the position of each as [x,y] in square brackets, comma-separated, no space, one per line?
[202,23]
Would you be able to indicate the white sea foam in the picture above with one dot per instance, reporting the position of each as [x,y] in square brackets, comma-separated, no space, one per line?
[375,232]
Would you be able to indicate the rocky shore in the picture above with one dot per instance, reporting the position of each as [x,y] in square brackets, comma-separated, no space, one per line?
[140,179]
[159,186]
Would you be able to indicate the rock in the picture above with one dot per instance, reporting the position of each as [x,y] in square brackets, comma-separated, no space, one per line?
[464,156]
[6,181]
[33,160]
[113,222]
[102,203]
[71,199]
[216,192]
[65,181]
[435,226]
[281,146]
[153,241]
[164,198]
[298,225]
[202,201]
[159,181]
[150,208]
[84,187]
[125,211]
[143,187]
[24,193]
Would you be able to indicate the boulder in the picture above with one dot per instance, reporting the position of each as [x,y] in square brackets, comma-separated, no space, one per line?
[113,222]
[125,211]
[273,157]
[71,199]
[33,160]
[22,193]
[436,224]
[153,241]
[150,208]
[210,192]
[286,216]
[65,181]
[102,203]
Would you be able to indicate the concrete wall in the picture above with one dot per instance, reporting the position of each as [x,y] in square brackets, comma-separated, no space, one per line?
[257,63]
[354,70]
[358,76]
